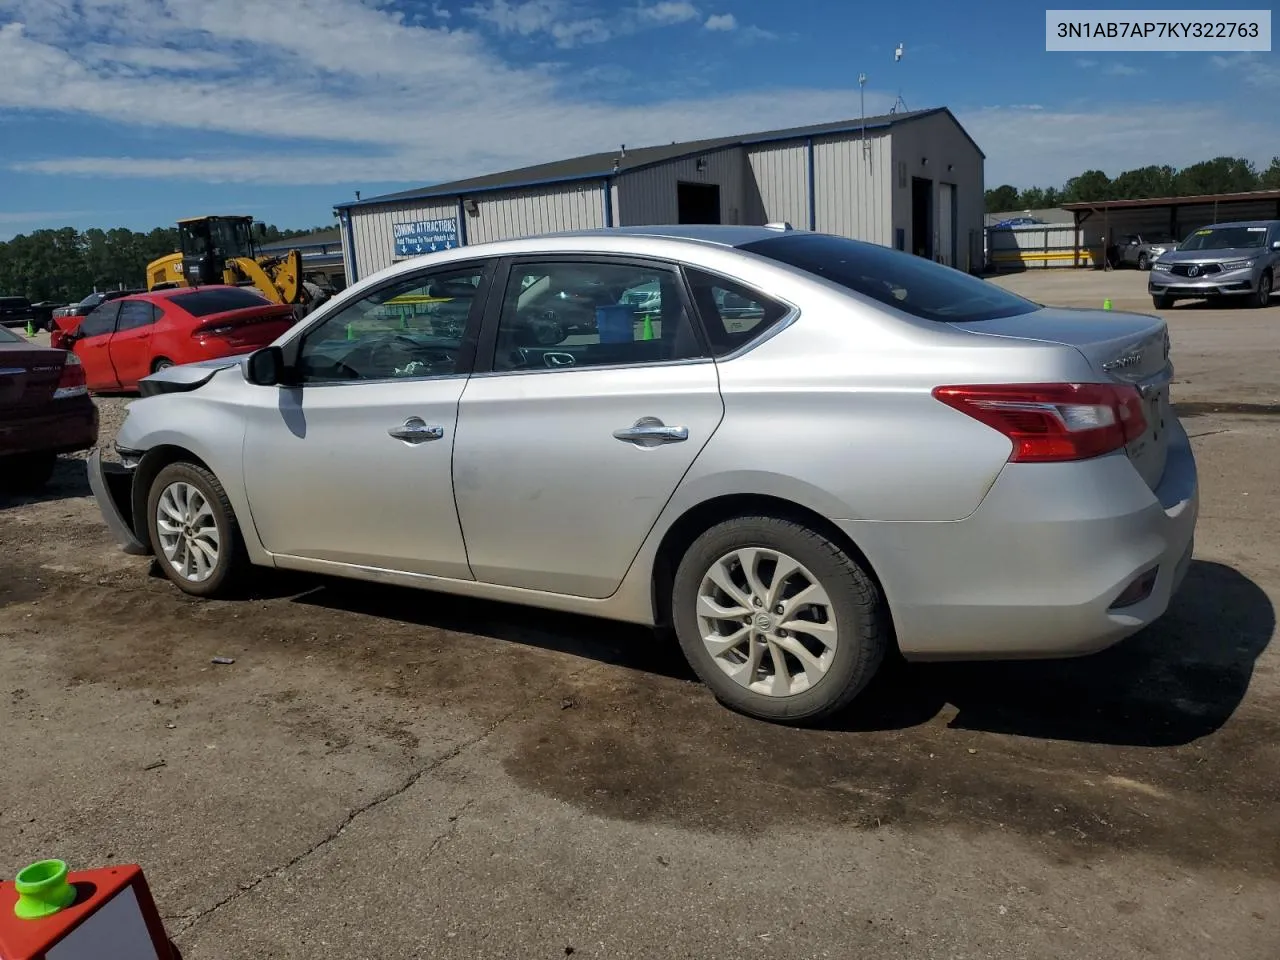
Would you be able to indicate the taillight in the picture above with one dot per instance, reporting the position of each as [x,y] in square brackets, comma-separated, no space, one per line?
[72,382]
[1050,422]
[220,330]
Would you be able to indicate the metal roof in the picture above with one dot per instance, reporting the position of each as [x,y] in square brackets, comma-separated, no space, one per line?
[320,238]
[1209,198]
[610,163]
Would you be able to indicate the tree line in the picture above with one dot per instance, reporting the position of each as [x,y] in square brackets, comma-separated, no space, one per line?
[1219,175]
[65,265]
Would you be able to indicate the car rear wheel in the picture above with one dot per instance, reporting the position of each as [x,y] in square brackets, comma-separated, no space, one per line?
[161,363]
[27,473]
[194,531]
[1262,296]
[778,620]
[1162,303]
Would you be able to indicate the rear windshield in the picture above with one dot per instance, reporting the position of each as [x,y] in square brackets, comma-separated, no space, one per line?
[903,281]
[8,336]
[202,303]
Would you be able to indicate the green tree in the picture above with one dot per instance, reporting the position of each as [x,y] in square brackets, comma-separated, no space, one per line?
[1219,175]
[1144,183]
[1269,179]
[1002,198]
[1090,185]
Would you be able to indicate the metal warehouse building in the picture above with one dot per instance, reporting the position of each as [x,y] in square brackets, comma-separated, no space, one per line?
[909,180]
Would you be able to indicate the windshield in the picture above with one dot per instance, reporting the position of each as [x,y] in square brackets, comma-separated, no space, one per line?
[903,281]
[1225,238]
[231,238]
[92,300]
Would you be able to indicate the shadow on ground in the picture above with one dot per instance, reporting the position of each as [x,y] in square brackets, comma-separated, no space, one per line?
[1177,681]
[69,480]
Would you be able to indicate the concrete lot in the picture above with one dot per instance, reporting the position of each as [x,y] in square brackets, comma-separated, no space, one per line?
[385,773]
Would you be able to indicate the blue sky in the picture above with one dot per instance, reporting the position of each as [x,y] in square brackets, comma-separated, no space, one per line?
[137,112]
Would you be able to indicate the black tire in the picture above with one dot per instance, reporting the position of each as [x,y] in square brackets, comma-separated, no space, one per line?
[160,363]
[1144,262]
[232,561]
[26,473]
[1162,303]
[857,607]
[1262,296]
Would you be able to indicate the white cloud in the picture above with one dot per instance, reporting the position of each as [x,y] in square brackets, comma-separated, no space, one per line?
[669,11]
[1085,64]
[531,16]
[417,103]
[1045,147]
[1253,69]
[722,21]
[159,58]
[40,216]
[1122,70]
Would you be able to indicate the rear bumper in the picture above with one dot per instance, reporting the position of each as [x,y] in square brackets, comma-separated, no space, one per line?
[112,486]
[1036,571]
[65,431]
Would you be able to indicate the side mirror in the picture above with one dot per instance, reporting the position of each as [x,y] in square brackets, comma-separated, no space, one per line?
[266,367]
[1275,245]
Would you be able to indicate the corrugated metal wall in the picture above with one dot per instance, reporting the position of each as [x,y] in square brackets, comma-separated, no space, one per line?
[375,241]
[778,188]
[935,148]
[852,192]
[649,196]
[524,213]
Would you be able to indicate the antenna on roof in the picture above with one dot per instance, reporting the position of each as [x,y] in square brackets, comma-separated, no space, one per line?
[897,58]
[357,194]
[862,101]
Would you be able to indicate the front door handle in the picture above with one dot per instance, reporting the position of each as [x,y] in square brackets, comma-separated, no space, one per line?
[416,430]
[651,432]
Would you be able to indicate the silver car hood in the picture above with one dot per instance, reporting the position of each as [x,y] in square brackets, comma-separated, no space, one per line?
[1211,256]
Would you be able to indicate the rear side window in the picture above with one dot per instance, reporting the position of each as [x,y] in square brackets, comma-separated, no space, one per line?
[733,314]
[135,314]
[903,281]
[100,320]
[202,303]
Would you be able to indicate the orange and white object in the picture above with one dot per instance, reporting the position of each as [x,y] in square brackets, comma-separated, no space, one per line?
[111,916]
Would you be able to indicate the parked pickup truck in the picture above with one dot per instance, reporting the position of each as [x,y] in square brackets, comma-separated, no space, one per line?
[16,311]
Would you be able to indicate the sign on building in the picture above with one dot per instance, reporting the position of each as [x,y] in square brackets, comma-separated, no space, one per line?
[425,236]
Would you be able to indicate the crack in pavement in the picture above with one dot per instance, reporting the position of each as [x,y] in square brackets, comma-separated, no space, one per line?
[385,797]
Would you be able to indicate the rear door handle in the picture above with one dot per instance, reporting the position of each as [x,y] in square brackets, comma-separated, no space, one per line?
[651,432]
[416,430]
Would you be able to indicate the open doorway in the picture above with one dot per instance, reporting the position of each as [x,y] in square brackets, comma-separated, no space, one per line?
[698,202]
[922,217]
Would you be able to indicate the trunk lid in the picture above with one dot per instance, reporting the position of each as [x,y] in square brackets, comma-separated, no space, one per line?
[28,377]
[1125,348]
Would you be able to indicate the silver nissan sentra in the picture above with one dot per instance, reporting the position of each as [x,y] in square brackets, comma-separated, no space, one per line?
[796,449]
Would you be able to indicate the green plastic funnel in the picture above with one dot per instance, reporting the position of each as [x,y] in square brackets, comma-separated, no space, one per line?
[42,890]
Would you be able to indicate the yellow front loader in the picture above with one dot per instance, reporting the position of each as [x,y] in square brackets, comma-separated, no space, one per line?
[222,250]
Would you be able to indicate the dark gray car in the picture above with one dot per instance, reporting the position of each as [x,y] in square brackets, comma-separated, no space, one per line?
[1225,261]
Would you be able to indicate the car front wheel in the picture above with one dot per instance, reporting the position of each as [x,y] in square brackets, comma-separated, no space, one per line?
[777,619]
[1262,296]
[1144,262]
[194,532]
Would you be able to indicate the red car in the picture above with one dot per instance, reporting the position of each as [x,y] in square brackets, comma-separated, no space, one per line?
[45,410]
[124,340]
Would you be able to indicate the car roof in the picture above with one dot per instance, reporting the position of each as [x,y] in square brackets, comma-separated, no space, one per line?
[170,292]
[720,234]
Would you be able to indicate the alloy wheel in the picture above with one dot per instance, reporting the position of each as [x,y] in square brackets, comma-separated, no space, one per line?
[188,531]
[767,621]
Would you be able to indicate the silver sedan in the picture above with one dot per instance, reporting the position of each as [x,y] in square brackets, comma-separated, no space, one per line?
[799,450]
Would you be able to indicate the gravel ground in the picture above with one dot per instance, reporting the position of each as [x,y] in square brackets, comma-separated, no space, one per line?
[390,773]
